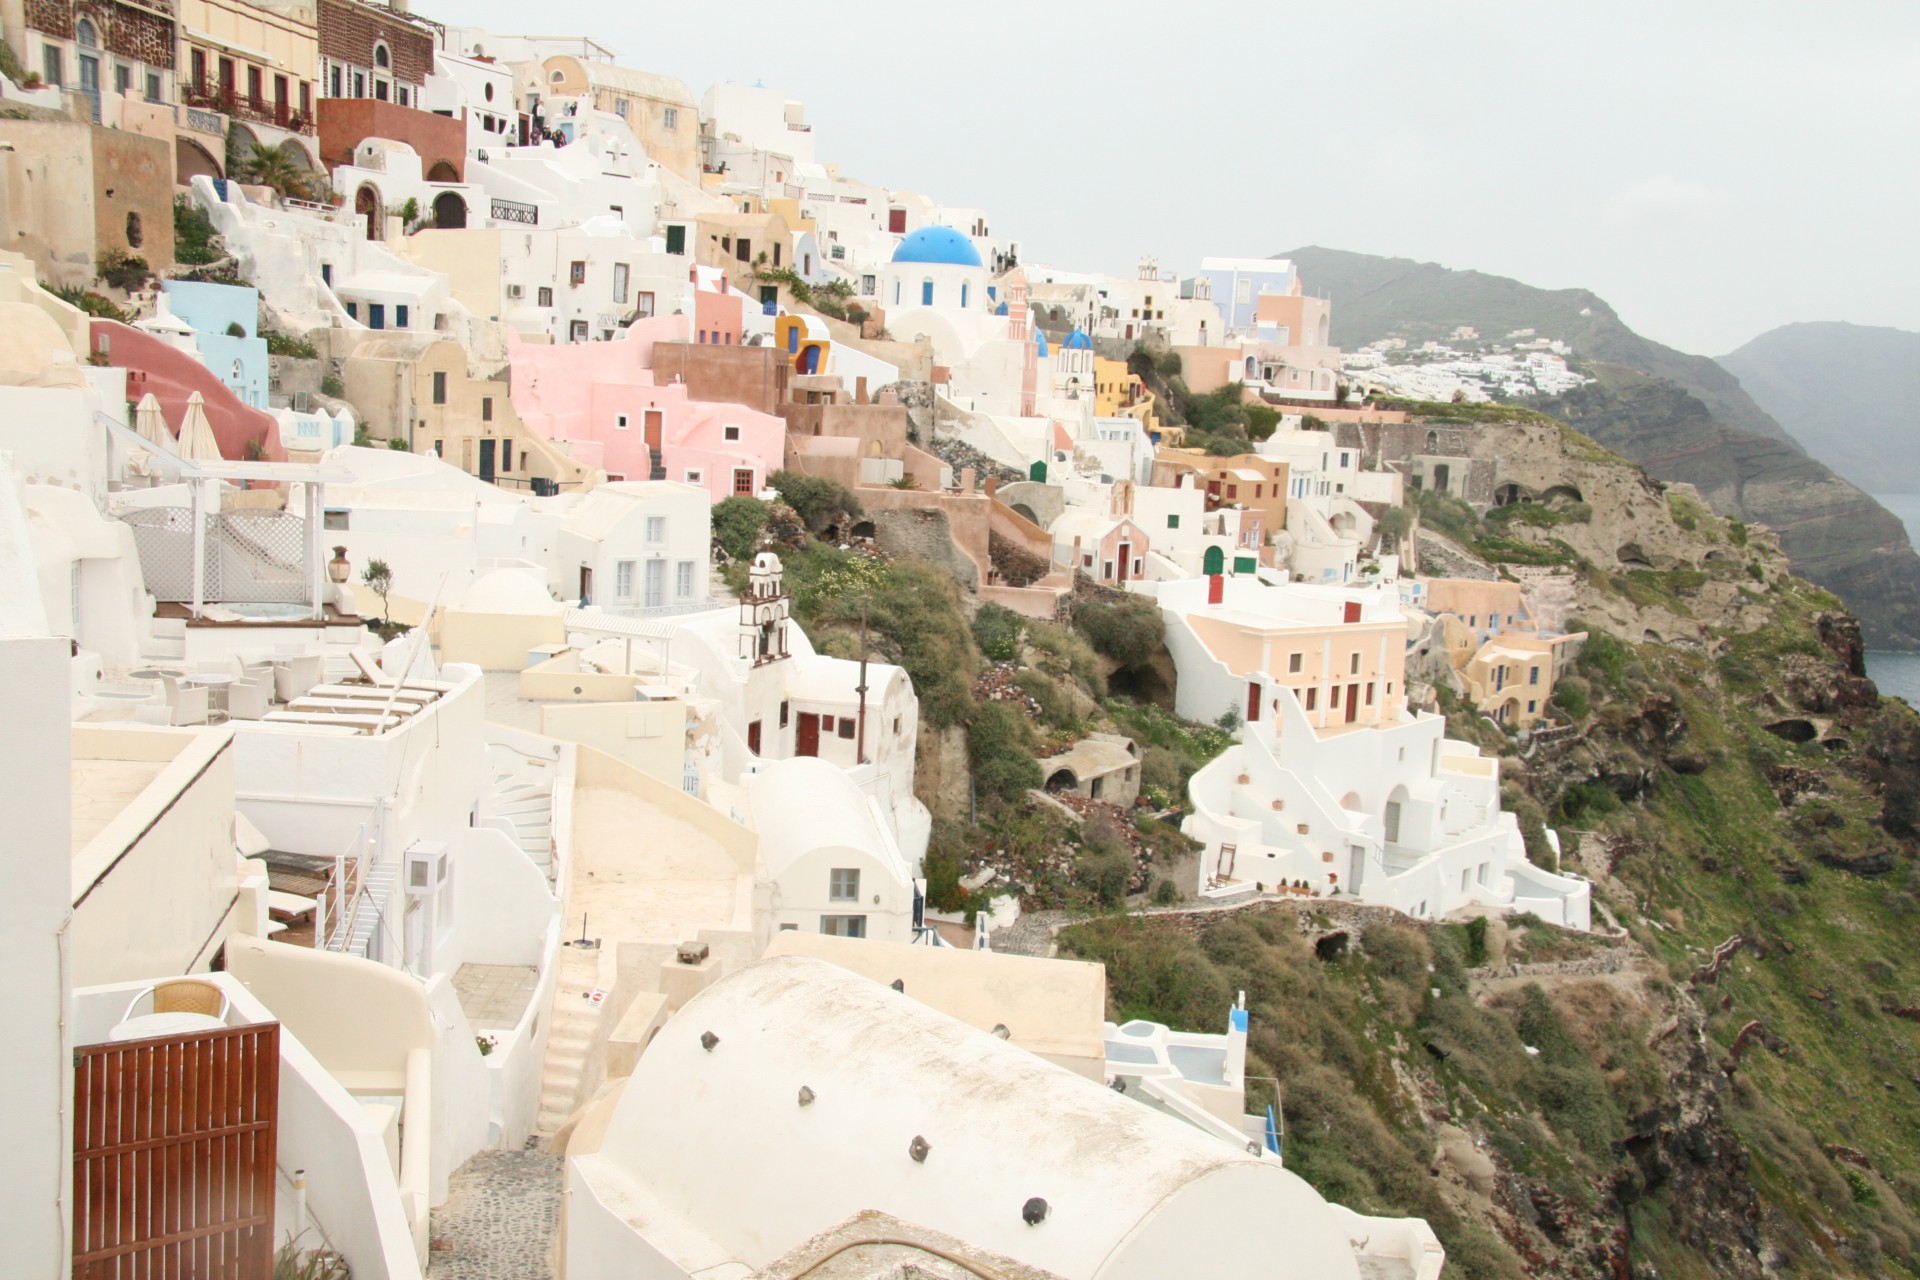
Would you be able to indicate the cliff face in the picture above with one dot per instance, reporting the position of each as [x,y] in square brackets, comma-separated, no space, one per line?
[1833,534]
[1682,416]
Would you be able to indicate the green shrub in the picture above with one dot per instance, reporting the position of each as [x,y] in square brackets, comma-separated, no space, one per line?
[815,499]
[1128,630]
[1000,746]
[1064,653]
[94,304]
[1056,705]
[123,271]
[284,344]
[195,242]
[330,385]
[996,629]
[1153,973]
[1476,931]
[1573,695]
[1166,894]
[943,865]
[737,522]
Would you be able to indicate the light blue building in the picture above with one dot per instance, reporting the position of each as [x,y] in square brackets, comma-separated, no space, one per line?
[1235,285]
[215,311]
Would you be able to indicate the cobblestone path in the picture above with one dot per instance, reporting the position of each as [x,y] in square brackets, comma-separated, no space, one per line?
[499,1221]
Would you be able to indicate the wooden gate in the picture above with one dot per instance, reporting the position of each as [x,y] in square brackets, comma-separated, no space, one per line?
[173,1156]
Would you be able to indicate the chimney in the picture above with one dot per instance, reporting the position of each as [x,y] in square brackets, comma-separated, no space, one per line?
[860,389]
[992,486]
[967,477]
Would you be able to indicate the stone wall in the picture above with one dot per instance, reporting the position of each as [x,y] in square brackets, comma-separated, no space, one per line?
[345,122]
[918,529]
[349,29]
[752,376]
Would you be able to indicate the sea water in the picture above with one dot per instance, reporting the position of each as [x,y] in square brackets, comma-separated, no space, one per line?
[1898,674]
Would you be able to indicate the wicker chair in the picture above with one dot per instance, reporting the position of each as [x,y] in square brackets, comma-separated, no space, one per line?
[182,995]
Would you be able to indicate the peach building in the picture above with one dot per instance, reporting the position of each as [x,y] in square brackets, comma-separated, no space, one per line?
[1508,661]
[1237,642]
[602,403]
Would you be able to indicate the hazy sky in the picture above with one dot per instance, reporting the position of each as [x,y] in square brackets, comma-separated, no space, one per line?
[1711,169]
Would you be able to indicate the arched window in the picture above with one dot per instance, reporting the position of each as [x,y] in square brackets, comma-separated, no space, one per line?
[963,296]
[896,293]
[926,293]
[382,59]
[85,34]
[1433,442]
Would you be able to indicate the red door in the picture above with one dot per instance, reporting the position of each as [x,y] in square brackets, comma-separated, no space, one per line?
[652,429]
[1353,702]
[753,737]
[1126,559]
[1253,701]
[743,482]
[808,738]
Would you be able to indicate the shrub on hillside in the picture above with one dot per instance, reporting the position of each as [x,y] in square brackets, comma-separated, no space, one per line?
[1056,705]
[1000,745]
[1574,696]
[737,523]
[816,499]
[996,630]
[195,242]
[1128,630]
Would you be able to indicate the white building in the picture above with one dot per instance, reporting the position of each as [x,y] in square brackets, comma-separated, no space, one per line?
[831,854]
[633,545]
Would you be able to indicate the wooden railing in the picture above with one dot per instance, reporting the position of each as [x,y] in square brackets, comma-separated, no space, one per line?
[174,1141]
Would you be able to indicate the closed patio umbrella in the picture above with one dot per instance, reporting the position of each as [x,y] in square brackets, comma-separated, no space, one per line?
[196,433]
[152,428]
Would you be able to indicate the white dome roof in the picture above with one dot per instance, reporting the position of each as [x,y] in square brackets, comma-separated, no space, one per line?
[509,591]
[719,1140]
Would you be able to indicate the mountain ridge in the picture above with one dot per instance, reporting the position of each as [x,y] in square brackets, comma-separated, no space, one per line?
[1685,417]
[1847,392]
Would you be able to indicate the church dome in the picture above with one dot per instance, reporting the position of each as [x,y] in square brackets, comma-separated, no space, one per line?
[938,244]
[1077,341]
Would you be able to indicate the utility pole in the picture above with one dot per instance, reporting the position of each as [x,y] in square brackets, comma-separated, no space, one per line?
[860,743]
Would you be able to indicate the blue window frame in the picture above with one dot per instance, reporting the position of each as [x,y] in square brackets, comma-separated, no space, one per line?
[376,315]
[400,316]
[926,293]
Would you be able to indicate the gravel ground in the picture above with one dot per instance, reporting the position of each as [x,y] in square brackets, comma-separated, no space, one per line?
[498,1223]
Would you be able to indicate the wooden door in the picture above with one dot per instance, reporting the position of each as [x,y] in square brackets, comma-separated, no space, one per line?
[1353,702]
[1253,701]
[652,428]
[753,737]
[486,460]
[586,586]
[807,741]
[1126,560]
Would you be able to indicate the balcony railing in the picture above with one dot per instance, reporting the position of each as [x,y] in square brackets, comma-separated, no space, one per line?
[246,106]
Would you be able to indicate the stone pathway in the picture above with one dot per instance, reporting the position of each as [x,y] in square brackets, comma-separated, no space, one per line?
[499,1221]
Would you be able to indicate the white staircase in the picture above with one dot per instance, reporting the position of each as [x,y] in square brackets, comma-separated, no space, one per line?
[519,800]
[570,1042]
[375,891]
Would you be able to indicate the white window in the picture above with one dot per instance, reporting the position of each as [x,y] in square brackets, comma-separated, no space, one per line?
[577,331]
[656,529]
[730,432]
[670,118]
[1243,291]
[620,282]
[843,884]
[844,926]
[696,476]
[620,422]
[623,580]
[683,580]
[620,107]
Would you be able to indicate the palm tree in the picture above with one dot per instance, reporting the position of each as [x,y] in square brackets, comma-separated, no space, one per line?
[270,166]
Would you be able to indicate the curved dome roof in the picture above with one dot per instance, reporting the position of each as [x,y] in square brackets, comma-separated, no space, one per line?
[512,591]
[1077,341]
[1040,342]
[938,244]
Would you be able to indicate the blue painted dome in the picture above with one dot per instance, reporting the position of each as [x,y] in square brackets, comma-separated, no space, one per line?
[1077,341]
[1040,343]
[938,244]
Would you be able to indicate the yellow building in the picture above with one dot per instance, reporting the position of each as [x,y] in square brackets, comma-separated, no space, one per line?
[1511,677]
[660,110]
[255,66]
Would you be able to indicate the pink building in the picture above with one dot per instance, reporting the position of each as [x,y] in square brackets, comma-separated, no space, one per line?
[599,400]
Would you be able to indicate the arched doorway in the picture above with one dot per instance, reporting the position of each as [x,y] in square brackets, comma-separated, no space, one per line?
[191,160]
[366,203]
[443,171]
[1062,780]
[449,211]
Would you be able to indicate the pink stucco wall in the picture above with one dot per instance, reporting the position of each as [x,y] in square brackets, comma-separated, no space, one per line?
[173,376]
[580,394]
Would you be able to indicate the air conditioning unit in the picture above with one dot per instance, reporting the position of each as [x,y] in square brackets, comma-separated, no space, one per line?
[516,291]
[426,868]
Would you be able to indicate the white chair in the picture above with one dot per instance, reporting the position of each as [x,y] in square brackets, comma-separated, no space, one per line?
[370,670]
[185,706]
[296,675]
[249,699]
